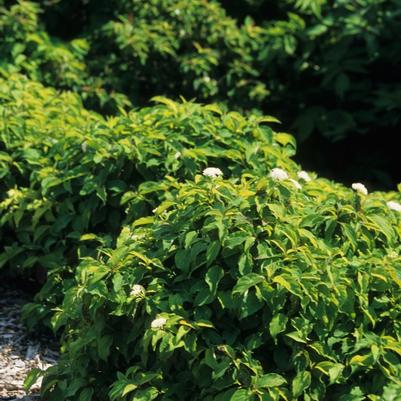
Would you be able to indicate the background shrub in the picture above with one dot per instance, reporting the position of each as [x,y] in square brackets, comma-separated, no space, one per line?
[330,72]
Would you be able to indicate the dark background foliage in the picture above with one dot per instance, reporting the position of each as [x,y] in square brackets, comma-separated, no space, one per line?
[328,69]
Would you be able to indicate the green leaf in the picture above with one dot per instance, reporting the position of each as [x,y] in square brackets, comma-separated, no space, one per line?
[285,139]
[296,337]
[278,324]
[246,282]
[143,221]
[335,372]
[183,259]
[50,182]
[118,282]
[241,395]
[189,237]
[356,394]
[31,378]
[88,237]
[212,251]
[249,304]
[300,383]
[268,119]
[147,394]
[270,380]
[383,225]
[203,297]
[362,360]
[128,388]
[213,277]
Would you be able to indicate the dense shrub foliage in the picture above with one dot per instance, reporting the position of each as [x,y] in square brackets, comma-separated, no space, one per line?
[257,284]
[181,253]
[326,69]
[254,290]
[70,177]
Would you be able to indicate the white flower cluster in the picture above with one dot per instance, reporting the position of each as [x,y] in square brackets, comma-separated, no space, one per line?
[158,323]
[394,206]
[278,174]
[358,187]
[303,175]
[137,290]
[212,172]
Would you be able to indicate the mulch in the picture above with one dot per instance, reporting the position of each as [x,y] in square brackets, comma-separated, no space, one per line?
[20,350]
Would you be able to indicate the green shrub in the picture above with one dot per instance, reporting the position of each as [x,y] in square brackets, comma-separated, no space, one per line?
[317,66]
[250,286]
[68,174]
[28,48]
[240,290]
[44,171]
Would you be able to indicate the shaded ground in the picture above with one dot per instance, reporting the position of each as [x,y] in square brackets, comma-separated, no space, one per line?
[20,351]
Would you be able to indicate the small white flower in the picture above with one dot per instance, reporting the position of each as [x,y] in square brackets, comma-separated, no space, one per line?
[212,172]
[137,290]
[158,323]
[206,78]
[297,185]
[177,11]
[177,155]
[358,187]
[278,174]
[394,206]
[84,146]
[303,175]
[182,32]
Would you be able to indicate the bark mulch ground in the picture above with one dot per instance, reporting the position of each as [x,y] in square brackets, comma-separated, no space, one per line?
[20,351]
